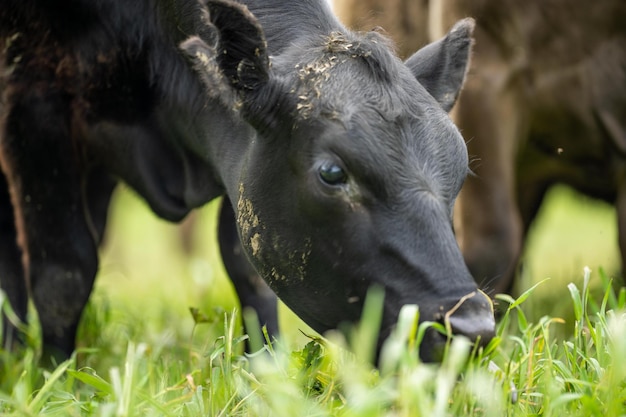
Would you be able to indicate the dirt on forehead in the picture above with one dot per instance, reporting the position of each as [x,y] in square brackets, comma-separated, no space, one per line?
[338,48]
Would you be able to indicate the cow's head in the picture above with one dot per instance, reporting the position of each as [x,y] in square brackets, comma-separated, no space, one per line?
[351,173]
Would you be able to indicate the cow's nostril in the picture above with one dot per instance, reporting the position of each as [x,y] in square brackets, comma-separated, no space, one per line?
[472,316]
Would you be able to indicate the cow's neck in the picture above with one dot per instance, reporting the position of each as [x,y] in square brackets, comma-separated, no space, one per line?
[231,140]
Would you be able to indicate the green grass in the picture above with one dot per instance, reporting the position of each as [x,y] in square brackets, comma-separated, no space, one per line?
[142,353]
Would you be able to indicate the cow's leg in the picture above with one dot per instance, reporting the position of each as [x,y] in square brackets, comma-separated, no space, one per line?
[97,191]
[490,232]
[42,162]
[12,280]
[253,292]
[530,196]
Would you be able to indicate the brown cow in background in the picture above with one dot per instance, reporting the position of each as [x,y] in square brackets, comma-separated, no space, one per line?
[545,102]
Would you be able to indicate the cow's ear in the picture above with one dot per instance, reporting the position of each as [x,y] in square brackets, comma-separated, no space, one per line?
[230,53]
[442,65]
[242,46]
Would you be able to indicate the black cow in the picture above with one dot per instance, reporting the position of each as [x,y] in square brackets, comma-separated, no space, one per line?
[340,166]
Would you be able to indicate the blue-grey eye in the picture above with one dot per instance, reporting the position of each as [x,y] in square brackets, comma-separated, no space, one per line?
[332,174]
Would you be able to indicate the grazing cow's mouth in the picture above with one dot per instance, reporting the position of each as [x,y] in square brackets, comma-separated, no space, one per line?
[471,316]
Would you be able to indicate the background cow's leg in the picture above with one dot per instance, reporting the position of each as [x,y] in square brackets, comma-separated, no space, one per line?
[530,195]
[253,292]
[12,280]
[490,228]
[60,257]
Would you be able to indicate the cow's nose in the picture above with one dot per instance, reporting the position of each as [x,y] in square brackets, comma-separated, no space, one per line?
[472,316]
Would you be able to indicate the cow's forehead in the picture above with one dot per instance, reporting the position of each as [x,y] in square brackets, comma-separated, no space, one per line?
[339,73]
[364,76]
[381,100]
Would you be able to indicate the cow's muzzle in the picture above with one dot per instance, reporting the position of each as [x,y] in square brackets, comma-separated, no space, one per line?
[473,317]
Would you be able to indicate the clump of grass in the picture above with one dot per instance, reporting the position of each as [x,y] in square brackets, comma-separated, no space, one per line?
[572,377]
[523,371]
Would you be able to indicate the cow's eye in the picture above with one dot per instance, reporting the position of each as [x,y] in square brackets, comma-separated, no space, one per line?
[332,174]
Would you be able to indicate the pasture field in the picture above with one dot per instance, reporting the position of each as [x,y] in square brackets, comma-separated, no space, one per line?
[560,350]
